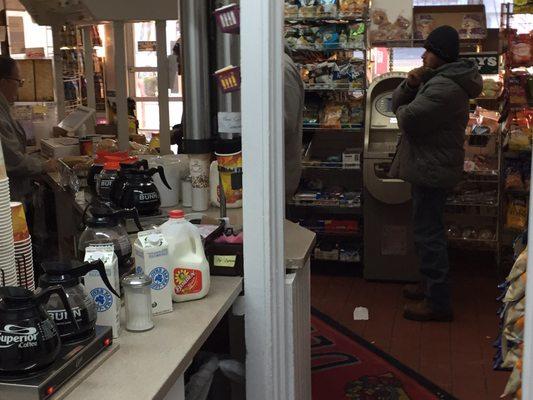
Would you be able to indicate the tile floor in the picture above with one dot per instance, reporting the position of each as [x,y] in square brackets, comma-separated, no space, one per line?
[456,356]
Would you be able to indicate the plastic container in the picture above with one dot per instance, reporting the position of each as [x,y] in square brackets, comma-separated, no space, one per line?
[188,264]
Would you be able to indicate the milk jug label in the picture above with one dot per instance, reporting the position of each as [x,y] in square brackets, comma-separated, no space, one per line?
[187,281]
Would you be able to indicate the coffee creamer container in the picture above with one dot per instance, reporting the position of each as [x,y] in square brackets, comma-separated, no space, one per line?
[152,258]
[107,305]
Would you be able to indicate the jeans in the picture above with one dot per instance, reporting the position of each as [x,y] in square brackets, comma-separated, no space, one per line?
[431,245]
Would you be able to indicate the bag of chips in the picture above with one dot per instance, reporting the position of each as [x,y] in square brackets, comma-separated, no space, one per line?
[332,115]
[515,380]
[513,179]
[517,289]
[519,267]
[517,215]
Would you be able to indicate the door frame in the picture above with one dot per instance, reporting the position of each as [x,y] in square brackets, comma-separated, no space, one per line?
[264,198]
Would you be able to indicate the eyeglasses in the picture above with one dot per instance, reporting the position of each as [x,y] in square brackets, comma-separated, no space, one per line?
[20,81]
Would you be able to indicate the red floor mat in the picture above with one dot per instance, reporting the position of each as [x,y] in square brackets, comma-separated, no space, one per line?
[347,367]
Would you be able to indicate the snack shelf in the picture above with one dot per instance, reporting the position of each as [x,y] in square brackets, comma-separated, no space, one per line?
[333,166]
[341,234]
[339,87]
[330,49]
[514,192]
[334,209]
[458,204]
[491,242]
[333,263]
[343,128]
[328,18]
[483,173]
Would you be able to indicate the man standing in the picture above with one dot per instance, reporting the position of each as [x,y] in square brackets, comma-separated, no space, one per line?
[21,167]
[432,107]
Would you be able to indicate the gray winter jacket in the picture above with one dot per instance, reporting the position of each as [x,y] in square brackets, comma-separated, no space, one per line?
[293,117]
[433,120]
[20,166]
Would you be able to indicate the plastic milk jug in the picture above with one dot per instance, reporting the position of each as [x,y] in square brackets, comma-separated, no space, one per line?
[151,257]
[107,305]
[188,265]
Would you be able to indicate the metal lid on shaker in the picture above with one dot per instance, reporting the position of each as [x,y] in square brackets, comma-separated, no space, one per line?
[135,281]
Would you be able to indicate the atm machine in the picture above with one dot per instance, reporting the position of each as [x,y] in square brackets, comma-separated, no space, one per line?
[388,239]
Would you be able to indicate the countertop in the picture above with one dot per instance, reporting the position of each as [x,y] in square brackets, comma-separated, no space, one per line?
[149,363]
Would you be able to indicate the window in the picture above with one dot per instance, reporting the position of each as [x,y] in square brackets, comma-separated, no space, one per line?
[142,61]
[23,32]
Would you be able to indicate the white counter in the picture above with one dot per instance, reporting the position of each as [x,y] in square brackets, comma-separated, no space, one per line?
[148,364]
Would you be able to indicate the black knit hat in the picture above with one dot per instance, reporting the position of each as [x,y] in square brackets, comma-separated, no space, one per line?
[443,42]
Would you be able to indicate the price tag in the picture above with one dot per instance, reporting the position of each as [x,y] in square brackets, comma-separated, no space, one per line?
[225,261]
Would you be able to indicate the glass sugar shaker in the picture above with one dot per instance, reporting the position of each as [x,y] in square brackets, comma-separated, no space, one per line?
[138,299]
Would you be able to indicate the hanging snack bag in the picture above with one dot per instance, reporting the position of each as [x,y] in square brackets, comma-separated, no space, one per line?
[513,179]
[517,215]
[515,381]
[517,289]
[521,52]
[519,266]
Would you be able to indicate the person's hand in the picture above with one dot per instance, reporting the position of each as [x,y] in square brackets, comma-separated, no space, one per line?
[414,78]
[50,166]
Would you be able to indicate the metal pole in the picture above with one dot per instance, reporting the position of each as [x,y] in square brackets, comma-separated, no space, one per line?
[162,84]
[121,85]
[196,78]
[89,71]
[59,88]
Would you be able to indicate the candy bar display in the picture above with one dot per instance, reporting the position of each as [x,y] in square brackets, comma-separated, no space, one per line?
[391,21]
[327,37]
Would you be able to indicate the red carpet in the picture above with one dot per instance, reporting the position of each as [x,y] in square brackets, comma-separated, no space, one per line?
[347,367]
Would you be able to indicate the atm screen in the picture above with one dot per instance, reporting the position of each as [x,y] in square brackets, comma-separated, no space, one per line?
[384,104]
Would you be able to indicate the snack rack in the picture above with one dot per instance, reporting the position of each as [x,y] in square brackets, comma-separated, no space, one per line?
[516,107]
[332,149]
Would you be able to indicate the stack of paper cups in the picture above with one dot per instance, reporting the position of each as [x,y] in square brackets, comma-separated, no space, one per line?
[8,272]
[199,166]
[23,247]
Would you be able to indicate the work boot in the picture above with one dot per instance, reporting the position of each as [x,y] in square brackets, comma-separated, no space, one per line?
[414,291]
[423,312]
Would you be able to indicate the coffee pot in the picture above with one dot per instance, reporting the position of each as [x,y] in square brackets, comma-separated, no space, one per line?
[135,188]
[81,303]
[29,339]
[103,224]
